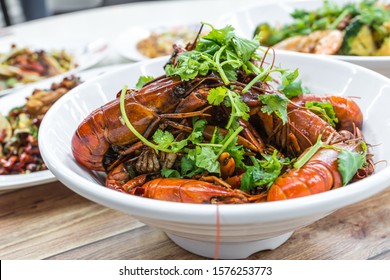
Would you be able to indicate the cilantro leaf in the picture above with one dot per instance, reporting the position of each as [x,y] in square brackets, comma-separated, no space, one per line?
[170,173]
[289,86]
[143,80]
[263,172]
[188,167]
[274,103]
[196,135]
[178,146]
[202,156]
[237,152]
[220,50]
[230,72]
[220,36]
[163,138]
[230,99]
[324,110]
[189,65]
[217,95]
[245,47]
[349,163]
[239,108]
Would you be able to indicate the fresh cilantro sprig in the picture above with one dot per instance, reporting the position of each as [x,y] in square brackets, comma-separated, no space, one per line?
[263,172]
[231,99]
[220,50]
[275,103]
[350,162]
[324,110]
[199,155]
[290,86]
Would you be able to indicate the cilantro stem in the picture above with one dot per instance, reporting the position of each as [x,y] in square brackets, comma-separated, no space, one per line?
[260,76]
[209,145]
[253,68]
[309,154]
[232,114]
[230,61]
[131,127]
[229,140]
[219,65]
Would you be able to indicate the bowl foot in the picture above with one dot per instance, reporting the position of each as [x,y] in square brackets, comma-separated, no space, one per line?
[229,250]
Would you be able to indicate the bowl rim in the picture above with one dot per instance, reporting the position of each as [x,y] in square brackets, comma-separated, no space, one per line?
[318,204]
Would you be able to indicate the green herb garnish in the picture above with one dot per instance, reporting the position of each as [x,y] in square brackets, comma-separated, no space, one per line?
[263,172]
[350,162]
[143,80]
[275,103]
[324,110]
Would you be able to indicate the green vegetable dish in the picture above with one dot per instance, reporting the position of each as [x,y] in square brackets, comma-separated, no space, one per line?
[356,29]
[19,151]
[24,65]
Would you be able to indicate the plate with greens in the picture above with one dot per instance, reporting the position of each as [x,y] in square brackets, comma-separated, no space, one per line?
[21,113]
[353,31]
[22,64]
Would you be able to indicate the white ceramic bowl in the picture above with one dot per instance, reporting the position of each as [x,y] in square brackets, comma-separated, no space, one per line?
[245,20]
[244,229]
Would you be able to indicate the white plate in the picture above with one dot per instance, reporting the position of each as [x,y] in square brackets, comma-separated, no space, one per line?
[126,43]
[18,98]
[246,19]
[244,229]
[85,56]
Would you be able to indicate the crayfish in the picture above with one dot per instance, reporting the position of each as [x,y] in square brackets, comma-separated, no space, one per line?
[199,140]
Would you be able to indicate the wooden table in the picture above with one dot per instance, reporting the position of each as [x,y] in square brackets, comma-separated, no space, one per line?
[52,222]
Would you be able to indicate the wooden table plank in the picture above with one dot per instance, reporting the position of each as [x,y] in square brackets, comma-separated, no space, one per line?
[52,222]
[43,221]
[360,231]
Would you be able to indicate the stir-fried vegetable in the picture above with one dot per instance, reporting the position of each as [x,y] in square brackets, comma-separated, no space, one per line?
[19,151]
[160,43]
[24,65]
[363,30]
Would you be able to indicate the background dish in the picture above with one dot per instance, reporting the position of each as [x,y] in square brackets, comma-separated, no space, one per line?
[126,43]
[244,229]
[246,19]
[19,98]
[85,56]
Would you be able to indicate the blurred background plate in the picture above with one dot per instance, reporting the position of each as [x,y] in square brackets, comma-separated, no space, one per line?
[246,19]
[18,98]
[160,45]
[85,55]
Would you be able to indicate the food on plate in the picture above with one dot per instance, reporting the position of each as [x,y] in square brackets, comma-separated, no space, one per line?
[358,29]
[25,65]
[224,125]
[19,151]
[160,43]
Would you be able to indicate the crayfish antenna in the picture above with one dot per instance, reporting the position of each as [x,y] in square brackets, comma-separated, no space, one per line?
[192,46]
